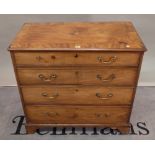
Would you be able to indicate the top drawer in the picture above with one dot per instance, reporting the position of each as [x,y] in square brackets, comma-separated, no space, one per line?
[76,58]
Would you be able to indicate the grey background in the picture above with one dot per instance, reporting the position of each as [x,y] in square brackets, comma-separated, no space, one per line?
[10,25]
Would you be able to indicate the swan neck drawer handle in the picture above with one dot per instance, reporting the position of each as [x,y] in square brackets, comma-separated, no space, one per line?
[109,61]
[51,114]
[104,97]
[40,59]
[102,115]
[108,79]
[50,97]
[51,77]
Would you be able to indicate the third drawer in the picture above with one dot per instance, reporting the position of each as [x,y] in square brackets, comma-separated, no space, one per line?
[80,95]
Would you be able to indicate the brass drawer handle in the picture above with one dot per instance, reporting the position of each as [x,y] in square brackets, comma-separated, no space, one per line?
[50,97]
[47,79]
[51,114]
[102,115]
[106,97]
[39,58]
[109,61]
[109,78]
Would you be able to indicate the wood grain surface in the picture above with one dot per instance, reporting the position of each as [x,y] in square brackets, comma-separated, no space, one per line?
[77,58]
[76,75]
[77,114]
[84,95]
[78,35]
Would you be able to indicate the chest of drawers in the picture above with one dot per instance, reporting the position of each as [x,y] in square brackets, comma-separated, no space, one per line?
[77,74]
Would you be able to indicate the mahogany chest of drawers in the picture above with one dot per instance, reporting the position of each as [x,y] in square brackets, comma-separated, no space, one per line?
[77,74]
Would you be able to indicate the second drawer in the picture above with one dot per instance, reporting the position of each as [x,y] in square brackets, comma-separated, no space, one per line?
[83,95]
[104,76]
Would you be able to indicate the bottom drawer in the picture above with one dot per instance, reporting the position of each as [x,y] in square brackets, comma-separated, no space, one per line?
[77,114]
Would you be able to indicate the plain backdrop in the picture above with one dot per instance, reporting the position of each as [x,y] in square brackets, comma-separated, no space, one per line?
[10,25]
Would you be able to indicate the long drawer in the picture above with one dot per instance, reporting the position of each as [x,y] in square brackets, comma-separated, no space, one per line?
[106,76]
[77,114]
[83,95]
[77,58]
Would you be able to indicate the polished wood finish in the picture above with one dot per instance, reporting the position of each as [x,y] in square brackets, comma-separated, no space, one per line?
[77,74]
[81,76]
[86,95]
[71,36]
[77,58]
[77,114]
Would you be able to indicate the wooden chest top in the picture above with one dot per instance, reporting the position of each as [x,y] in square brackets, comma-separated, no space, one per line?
[105,36]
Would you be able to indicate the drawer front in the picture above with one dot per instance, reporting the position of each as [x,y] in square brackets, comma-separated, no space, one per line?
[77,114]
[126,76]
[77,58]
[96,95]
